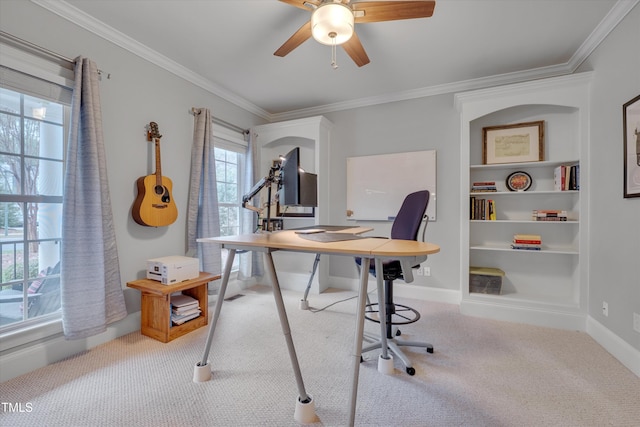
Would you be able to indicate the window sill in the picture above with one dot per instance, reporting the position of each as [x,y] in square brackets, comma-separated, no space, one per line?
[43,330]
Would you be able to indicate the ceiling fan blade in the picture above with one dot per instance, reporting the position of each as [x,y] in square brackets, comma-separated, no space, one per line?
[355,50]
[301,3]
[377,11]
[295,40]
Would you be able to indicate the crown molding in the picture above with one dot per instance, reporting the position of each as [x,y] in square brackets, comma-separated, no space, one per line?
[76,16]
[608,23]
[89,23]
[461,86]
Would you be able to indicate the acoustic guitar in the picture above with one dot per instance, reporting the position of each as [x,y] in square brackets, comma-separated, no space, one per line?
[154,205]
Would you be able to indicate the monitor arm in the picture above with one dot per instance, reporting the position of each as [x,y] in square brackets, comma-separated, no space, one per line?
[264,182]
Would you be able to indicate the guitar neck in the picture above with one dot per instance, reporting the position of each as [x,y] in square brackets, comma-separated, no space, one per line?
[158,162]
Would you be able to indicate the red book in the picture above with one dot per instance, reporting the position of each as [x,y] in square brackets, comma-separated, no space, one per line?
[530,242]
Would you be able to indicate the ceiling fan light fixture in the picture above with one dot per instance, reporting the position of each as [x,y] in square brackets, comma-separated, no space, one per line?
[332,24]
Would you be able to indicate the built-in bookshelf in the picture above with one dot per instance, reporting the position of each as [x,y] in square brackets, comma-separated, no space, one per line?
[544,283]
[313,136]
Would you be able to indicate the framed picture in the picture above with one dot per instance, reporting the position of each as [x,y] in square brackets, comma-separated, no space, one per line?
[295,211]
[631,131]
[517,143]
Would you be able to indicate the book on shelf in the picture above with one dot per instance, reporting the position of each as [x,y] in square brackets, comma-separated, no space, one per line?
[483,186]
[180,300]
[527,236]
[527,242]
[492,209]
[525,248]
[527,239]
[184,308]
[526,245]
[549,215]
[179,320]
[186,311]
[566,177]
[482,209]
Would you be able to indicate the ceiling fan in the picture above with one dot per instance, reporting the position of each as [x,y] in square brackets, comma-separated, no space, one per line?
[332,22]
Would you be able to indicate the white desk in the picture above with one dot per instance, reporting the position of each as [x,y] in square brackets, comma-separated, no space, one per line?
[366,248]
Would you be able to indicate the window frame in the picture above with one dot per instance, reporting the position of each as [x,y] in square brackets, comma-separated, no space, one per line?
[23,198]
[41,76]
[229,140]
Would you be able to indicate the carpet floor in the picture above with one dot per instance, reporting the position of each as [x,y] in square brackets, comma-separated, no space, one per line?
[482,373]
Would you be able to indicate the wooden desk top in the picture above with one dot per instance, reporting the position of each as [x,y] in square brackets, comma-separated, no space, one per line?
[368,247]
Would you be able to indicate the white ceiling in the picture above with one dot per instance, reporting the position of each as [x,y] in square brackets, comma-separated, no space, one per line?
[227,47]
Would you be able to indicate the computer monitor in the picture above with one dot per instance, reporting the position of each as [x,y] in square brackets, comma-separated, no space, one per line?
[296,187]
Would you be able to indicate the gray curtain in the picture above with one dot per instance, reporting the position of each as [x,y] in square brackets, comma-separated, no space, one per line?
[91,289]
[203,217]
[250,263]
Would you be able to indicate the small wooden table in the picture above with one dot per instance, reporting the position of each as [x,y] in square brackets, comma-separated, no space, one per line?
[155,319]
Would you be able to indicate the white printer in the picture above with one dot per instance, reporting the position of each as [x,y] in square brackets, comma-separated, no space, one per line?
[172,269]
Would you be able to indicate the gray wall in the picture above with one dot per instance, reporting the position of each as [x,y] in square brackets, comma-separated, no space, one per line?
[140,92]
[421,124]
[614,272]
[137,92]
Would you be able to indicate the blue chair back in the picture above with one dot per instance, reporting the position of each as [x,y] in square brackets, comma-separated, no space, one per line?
[410,215]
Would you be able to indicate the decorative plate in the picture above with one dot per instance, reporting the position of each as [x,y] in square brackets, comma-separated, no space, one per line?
[519,181]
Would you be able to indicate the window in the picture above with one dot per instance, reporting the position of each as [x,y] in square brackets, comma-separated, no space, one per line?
[229,173]
[35,99]
[32,131]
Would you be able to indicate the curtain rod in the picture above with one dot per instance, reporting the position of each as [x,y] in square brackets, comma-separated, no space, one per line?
[61,59]
[221,122]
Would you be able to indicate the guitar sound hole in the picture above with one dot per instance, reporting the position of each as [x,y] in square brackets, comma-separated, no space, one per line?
[166,198]
[159,189]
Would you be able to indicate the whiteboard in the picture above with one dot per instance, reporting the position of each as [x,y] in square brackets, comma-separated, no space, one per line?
[377,185]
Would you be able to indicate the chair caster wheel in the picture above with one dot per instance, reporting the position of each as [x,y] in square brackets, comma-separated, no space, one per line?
[429,349]
[411,371]
[398,333]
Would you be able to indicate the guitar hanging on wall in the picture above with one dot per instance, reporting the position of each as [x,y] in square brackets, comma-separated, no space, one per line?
[154,205]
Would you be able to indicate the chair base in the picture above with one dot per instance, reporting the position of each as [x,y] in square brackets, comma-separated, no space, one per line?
[393,345]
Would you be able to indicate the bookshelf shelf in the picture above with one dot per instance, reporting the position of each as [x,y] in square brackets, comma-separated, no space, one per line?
[546,287]
[568,250]
[523,221]
[524,193]
[525,165]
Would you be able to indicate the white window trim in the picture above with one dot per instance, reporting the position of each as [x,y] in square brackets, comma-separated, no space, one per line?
[38,67]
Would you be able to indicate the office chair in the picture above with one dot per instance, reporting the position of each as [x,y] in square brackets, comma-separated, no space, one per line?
[405,226]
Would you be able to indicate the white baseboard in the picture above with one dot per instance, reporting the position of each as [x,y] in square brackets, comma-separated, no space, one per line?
[621,350]
[403,290]
[407,290]
[56,348]
[524,314]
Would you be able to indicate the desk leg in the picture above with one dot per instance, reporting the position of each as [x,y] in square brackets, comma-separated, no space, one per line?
[304,304]
[357,352]
[216,313]
[305,409]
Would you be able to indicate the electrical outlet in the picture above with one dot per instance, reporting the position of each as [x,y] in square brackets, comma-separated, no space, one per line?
[636,322]
[605,308]
[427,271]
